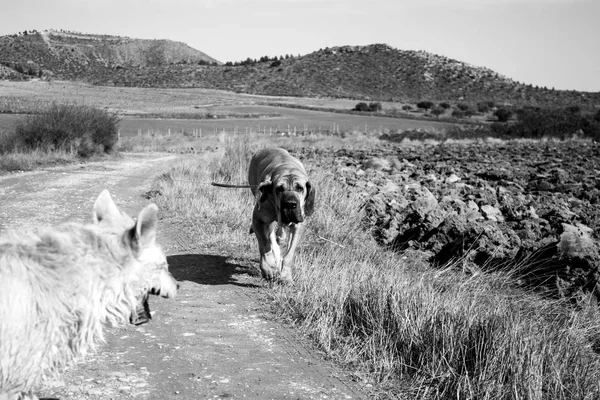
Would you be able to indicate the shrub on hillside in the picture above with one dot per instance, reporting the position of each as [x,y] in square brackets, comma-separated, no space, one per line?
[437,111]
[483,106]
[458,114]
[557,123]
[79,128]
[375,106]
[425,104]
[462,106]
[371,107]
[408,107]
[445,105]
[503,114]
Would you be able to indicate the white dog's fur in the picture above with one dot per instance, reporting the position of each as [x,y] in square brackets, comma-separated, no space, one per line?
[59,286]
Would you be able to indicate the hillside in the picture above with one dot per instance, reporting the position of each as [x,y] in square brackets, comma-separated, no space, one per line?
[374,72]
[76,56]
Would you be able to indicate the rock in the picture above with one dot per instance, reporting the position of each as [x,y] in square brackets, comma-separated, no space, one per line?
[378,164]
[390,187]
[492,213]
[576,241]
[452,179]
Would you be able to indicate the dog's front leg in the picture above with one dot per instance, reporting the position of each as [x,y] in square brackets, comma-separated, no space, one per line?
[296,231]
[270,253]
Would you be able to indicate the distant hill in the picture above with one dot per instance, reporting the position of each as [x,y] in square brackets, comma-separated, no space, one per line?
[77,56]
[374,72]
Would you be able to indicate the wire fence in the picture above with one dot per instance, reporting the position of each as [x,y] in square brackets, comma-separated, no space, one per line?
[280,129]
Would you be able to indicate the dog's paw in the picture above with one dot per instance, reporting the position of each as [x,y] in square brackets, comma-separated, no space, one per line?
[269,274]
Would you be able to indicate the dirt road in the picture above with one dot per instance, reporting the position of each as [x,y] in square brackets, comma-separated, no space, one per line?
[213,341]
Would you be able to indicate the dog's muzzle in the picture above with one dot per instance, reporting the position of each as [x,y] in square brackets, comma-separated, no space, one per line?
[142,312]
[291,210]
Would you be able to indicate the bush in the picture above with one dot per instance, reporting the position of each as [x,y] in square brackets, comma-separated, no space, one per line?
[445,105]
[503,114]
[426,105]
[557,123]
[275,63]
[361,107]
[462,106]
[375,106]
[437,111]
[408,107]
[458,114]
[83,129]
[371,107]
[483,107]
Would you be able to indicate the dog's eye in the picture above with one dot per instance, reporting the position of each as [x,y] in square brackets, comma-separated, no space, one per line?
[279,189]
[299,188]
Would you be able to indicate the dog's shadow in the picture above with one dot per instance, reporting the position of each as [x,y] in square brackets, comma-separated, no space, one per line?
[208,269]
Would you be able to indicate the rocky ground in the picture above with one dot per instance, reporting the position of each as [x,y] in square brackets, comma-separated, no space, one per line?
[527,206]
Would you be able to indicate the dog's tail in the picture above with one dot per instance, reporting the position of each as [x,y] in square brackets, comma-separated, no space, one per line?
[226,185]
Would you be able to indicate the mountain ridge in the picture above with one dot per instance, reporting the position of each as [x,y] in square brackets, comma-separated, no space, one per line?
[370,72]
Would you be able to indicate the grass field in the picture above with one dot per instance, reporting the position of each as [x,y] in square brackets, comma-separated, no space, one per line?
[133,103]
[26,96]
[20,97]
[409,329]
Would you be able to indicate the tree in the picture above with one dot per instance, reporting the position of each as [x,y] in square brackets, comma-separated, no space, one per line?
[375,106]
[503,114]
[425,104]
[483,107]
[445,105]
[437,111]
[458,114]
[362,106]
[462,106]
[408,107]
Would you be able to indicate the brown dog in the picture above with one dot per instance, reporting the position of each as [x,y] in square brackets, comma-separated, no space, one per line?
[284,198]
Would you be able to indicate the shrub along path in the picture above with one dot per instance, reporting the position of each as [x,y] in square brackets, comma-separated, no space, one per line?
[215,340]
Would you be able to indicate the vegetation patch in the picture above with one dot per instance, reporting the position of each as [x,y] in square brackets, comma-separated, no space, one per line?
[76,128]
[392,319]
[59,133]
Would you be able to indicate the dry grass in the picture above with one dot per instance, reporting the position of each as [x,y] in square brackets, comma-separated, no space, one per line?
[29,160]
[414,331]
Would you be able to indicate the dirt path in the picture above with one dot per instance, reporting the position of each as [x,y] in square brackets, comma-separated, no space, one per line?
[213,341]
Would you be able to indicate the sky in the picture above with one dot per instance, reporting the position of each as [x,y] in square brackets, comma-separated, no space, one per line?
[551,43]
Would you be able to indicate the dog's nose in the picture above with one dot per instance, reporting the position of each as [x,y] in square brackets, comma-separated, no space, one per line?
[290,205]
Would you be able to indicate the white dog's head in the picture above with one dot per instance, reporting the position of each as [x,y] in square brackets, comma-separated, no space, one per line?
[151,271]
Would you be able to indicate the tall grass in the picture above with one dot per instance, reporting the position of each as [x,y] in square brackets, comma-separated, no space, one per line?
[412,330]
[68,127]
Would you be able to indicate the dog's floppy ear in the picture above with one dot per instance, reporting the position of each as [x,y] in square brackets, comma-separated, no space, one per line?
[263,190]
[309,202]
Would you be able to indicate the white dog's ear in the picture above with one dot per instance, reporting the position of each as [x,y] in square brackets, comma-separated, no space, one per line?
[105,208]
[144,231]
[263,190]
